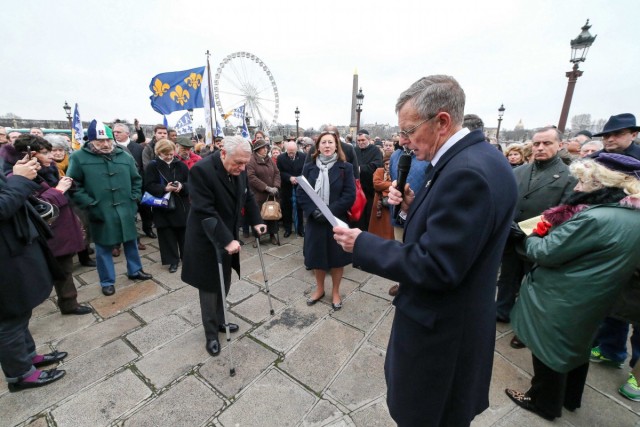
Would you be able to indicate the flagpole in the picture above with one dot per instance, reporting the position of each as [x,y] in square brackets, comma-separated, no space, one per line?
[211,104]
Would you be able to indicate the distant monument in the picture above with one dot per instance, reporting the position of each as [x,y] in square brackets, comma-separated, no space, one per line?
[354,91]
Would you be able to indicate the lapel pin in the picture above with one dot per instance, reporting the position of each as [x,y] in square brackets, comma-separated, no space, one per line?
[556,176]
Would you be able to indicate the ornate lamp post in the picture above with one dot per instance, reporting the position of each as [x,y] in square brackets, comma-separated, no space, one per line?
[500,114]
[579,48]
[67,109]
[297,112]
[359,99]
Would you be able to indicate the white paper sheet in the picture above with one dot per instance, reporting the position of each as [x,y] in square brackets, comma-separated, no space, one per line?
[304,184]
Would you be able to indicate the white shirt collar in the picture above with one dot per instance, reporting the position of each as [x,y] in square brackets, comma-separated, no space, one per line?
[450,143]
[123,144]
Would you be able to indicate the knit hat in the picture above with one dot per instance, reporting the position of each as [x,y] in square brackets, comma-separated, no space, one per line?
[620,163]
[98,130]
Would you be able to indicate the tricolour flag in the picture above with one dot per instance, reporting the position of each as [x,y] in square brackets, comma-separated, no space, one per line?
[184,126]
[177,90]
[77,133]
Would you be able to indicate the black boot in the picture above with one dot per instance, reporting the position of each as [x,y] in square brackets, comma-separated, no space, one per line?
[85,259]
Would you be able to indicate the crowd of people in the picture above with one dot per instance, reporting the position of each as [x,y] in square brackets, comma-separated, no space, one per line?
[457,225]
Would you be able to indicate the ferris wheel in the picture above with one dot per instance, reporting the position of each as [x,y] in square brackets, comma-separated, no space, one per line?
[242,78]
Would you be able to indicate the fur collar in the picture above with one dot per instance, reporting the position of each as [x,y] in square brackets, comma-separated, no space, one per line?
[581,201]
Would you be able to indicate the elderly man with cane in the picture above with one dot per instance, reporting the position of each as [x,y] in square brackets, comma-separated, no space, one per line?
[219,188]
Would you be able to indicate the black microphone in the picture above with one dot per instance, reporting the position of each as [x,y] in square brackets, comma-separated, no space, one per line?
[404,164]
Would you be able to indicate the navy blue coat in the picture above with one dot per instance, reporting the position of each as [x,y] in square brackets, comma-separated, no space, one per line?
[320,248]
[440,353]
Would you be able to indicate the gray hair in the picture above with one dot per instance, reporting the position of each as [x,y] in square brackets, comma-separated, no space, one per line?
[233,143]
[597,143]
[557,133]
[290,144]
[57,141]
[434,94]
[473,122]
[123,126]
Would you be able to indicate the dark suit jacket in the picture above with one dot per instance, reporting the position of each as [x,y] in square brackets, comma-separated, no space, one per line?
[212,195]
[554,186]
[289,168]
[440,353]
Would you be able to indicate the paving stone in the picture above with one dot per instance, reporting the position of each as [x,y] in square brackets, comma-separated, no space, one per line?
[381,333]
[522,417]
[379,287]
[127,298]
[39,422]
[316,360]
[103,403]
[187,403]
[273,397]
[376,415]
[166,304]
[289,326]
[356,274]
[602,411]
[303,274]
[290,289]
[519,357]
[56,326]
[240,291]
[250,359]
[256,307]
[158,332]
[362,310]
[170,280]
[278,269]
[343,422]
[94,336]
[284,251]
[88,293]
[81,372]
[324,412]
[45,308]
[191,313]
[174,359]
[362,380]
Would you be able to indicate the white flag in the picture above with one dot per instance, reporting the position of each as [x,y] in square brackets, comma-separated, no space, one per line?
[184,126]
[208,139]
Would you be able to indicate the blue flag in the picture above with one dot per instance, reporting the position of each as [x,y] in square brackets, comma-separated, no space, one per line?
[177,90]
[184,125]
[77,133]
[219,131]
[245,131]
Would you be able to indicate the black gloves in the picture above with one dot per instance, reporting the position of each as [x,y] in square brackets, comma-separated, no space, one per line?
[318,217]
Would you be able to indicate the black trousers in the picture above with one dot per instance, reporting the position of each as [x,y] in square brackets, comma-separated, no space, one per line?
[551,390]
[65,288]
[146,215]
[212,311]
[171,243]
[287,211]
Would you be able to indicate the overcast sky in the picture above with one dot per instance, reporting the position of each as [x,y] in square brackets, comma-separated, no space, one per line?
[103,55]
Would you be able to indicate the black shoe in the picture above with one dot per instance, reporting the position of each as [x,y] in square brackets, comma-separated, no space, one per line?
[232,328]
[501,319]
[46,377]
[213,347]
[311,301]
[516,343]
[337,306]
[173,268]
[88,262]
[525,402]
[108,290]
[50,358]
[150,234]
[301,233]
[80,310]
[140,275]
[286,234]
[90,251]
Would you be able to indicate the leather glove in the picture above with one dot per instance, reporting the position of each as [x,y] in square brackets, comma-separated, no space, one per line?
[318,217]
[516,232]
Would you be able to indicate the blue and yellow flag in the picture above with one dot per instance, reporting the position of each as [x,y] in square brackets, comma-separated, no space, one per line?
[177,90]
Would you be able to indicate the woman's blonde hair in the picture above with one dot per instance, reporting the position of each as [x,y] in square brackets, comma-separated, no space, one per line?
[164,145]
[599,176]
[514,147]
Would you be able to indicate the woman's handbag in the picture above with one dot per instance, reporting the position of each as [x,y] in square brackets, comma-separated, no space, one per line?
[165,202]
[271,210]
[357,208]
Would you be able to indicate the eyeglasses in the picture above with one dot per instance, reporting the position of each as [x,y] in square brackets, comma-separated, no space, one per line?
[407,133]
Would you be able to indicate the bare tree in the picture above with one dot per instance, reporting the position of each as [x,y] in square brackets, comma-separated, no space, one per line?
[580,122]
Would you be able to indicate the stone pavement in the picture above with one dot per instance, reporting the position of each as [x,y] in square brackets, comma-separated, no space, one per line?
[140,360]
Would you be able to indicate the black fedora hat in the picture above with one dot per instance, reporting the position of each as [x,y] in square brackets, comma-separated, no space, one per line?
[619,122]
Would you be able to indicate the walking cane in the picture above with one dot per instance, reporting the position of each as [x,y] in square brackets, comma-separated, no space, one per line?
[294,208]
[264,271]
[209,225]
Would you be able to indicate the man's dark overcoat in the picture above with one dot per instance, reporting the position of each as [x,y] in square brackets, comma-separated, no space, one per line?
[214,194]
[440,353]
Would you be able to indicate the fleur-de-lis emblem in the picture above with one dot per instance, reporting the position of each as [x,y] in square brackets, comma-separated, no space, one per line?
[194,80]
[180,95]
[160,88]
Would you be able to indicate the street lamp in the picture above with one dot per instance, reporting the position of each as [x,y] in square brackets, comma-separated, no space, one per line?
[579,48]
[500,114]
[67,109]
[359,99]
[297,112]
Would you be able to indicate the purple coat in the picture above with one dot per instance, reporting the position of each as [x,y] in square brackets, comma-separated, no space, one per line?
[67,232]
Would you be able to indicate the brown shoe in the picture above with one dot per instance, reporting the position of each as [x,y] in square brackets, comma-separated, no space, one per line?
[274,241]
[393,291]
[141,246]
[115,252]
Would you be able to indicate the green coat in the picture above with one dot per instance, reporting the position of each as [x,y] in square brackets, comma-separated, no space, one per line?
[108,187]
[581,266]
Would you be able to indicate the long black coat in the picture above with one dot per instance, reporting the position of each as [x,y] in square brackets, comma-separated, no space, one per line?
[212,195]
[440,353]
[320,248]
[289,168]
[155,184]
[25,279]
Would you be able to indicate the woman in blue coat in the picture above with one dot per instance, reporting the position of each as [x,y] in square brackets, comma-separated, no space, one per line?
[332,178]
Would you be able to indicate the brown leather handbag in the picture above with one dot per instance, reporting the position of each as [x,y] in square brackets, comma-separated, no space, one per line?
[271,210]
